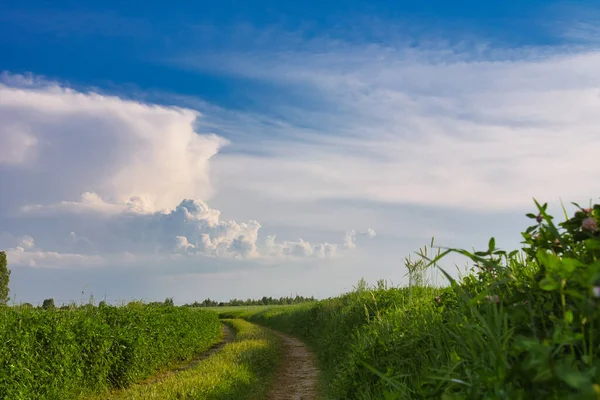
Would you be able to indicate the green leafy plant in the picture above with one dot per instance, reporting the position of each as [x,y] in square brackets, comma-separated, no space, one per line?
[4,279]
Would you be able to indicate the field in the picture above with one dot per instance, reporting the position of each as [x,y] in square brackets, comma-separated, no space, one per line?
[243,369]
[522,325]
[63,354]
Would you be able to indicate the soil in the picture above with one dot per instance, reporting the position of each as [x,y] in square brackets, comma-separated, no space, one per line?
[297,377]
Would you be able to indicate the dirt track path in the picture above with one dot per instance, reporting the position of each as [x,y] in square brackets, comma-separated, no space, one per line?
[298,374]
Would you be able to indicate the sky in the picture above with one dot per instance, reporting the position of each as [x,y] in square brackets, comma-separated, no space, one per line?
[274,148]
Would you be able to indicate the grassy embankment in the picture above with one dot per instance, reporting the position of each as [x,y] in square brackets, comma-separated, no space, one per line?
[242,370]
[64,354]
[522,325]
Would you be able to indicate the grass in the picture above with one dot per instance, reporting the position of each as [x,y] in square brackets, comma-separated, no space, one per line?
[522,325]
[242,370]
[64,354]
[387,328]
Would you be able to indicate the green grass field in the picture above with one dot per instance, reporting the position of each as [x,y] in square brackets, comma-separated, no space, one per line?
[521,325]
[64,354]
[241,371]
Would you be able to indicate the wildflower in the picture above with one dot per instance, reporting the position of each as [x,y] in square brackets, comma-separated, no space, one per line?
[596,291]
[589,224]
[539,218]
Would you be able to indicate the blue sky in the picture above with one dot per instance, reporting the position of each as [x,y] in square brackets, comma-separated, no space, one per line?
[315,142]
[110,43]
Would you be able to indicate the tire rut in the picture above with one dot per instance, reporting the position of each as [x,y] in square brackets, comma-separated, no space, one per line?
[227,338]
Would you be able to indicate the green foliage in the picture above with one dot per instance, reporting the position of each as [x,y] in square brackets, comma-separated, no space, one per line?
[66,353]
[4,279]
[250,302]
[168,302]
[242,370]
[369,325]
[522,325]
[48,304]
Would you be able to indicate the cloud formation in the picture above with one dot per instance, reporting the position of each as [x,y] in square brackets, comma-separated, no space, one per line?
[473,129]
[65,143]
[94,177]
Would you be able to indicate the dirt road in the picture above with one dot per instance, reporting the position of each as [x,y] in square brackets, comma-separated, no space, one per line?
[298,374]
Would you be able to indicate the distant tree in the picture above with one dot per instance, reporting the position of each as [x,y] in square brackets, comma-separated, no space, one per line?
[48,304]
[4,279]
[169,302]
[250,302]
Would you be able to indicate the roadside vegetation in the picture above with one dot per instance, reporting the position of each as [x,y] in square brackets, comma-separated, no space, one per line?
[49,353]
[242,370]
[521,325]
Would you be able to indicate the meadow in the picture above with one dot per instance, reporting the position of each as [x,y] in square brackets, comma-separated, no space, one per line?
[242,370]
[65,354]
[522,324]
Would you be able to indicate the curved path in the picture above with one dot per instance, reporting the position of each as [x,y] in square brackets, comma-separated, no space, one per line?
[298,374]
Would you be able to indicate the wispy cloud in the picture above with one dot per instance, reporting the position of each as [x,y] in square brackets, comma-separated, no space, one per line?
[440,127]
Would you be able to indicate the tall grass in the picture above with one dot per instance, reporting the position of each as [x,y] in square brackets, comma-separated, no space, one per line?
[242,370]
[521,325]
[62,354]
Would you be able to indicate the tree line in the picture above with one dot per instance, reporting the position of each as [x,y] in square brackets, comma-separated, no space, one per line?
[253,302]
[49,303]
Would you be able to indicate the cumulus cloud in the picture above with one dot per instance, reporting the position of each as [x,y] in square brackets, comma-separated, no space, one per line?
[23,251]
[112,173]
[57,143]
[8,240]
[192,229]
[299,248]
[350,237]
[94,176]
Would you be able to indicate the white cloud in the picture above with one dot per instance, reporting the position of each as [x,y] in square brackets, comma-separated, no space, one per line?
[440,128]
[104,180]
[299,248]
[191,229]
[58,143]
[350,237]
[51,259]
[8,240]
[90,202]
[23,252]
